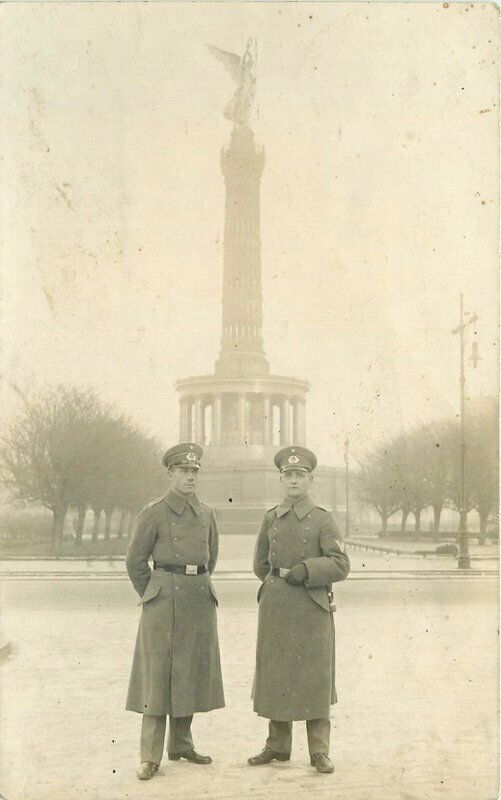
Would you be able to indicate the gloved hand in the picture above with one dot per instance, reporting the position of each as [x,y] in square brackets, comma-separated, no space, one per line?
[297,575]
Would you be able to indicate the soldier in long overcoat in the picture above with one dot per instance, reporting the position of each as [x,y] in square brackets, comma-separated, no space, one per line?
[176,669]
[299,554]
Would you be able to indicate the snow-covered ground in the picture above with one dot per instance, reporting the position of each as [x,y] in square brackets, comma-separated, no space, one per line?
[417,675]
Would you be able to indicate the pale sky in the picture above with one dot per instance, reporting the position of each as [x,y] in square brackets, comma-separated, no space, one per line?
[379,202]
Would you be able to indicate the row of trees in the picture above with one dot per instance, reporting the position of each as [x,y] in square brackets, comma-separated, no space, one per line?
[421,470]
[67,449]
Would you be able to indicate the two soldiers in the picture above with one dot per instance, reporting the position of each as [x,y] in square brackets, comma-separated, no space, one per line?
[176,670]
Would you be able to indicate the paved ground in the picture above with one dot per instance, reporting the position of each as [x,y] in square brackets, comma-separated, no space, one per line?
[417,679]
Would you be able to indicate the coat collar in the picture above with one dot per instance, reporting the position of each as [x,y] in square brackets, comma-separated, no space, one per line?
[178,503]
[302,508]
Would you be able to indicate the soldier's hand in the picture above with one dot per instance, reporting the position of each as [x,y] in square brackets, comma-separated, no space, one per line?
[297,575]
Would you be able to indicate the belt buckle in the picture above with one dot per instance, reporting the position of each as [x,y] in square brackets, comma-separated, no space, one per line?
[191,569]
[283,572]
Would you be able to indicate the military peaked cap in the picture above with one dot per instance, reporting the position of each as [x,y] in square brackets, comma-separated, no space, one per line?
[295,457]
[186,454]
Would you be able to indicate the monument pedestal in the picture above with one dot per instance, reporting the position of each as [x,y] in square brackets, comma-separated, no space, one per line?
[241,483]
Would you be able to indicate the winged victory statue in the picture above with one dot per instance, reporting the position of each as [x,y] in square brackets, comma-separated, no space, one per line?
[240,68]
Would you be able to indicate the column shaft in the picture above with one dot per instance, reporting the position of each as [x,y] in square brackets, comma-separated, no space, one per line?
[294,419]
[199,421]
[300,417]
[267,420]
[216,419]
[284,421]
[182,420]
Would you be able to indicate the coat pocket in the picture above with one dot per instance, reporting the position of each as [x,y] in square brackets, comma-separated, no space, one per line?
[213,593]
[320,596]
[150,593]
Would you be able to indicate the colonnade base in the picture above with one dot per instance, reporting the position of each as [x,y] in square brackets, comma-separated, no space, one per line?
[241,493]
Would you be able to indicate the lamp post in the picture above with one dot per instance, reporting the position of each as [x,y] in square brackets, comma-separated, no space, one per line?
[464,551]
[347,484]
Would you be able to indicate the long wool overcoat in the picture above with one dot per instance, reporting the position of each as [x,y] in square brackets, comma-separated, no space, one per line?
[176,668]
[294,677]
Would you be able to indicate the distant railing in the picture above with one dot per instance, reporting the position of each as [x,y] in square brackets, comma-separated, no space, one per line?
[423,553]
[376,547]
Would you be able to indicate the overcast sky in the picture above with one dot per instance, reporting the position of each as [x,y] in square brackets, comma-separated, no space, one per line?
[379,202]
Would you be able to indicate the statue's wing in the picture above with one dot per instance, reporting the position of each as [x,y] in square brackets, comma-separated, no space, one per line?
[230,60]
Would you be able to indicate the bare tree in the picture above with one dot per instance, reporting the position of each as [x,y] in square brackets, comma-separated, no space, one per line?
[437,439]
[397,459]
[41,452]
[453,497]
[87,491]
[376,484]
[68,449]
[416,472]
[483,464]
[143,473]
[126,473]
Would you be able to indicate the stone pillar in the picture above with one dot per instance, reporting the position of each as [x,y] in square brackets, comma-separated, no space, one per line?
[242,422]
[199,421]
[208,423]
[184,421]
[300,422]
[267,420]
[293,418]
[216,419]
[284,421]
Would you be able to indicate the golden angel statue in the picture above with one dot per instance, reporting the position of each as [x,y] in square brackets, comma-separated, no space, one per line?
[238,108]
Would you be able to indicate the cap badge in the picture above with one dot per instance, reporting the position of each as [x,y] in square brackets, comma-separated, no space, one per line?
[293,459]
[191,457]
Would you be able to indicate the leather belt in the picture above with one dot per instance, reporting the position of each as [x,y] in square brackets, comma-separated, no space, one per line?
[280,572]
[183,569]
